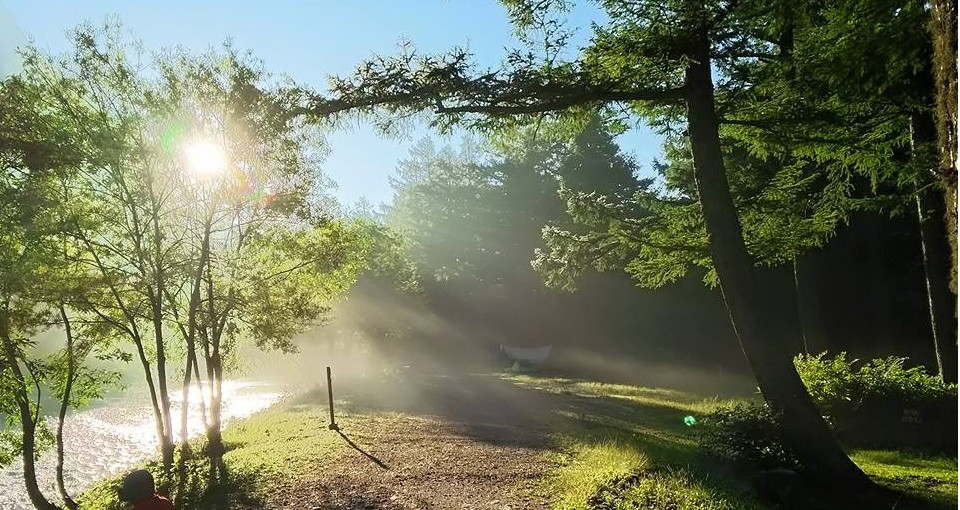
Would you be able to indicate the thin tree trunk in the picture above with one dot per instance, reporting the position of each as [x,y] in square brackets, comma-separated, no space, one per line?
[185,407]
[215,447]
[166,445]
[194,309]
[936,275]
[64,405]
[202,401]
[27,422]
[133,331]
[148,375]
[797,294]
[166,439]
[933,252]
[804,428]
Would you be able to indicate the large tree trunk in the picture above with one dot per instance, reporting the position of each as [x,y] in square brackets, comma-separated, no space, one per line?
[943,28]
[804,428]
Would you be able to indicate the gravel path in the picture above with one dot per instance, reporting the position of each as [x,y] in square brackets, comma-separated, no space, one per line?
[470,442]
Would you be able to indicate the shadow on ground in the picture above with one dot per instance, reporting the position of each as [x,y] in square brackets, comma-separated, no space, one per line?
[488,408]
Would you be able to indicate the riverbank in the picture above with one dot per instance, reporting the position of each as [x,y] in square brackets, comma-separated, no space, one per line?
[117,432]
[487,442]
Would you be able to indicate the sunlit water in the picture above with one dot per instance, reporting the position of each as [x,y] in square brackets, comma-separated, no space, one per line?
[117,434]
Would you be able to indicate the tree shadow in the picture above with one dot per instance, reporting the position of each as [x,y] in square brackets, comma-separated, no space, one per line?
[233,489]
[202,483]
[353,445]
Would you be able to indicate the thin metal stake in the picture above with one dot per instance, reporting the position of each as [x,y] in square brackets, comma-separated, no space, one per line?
[333,421]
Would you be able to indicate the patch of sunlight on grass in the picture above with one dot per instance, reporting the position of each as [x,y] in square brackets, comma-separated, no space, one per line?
[264,452]
[675,489]
[930,478]
[662,397]
[281,441]
[586,467]
[616,430]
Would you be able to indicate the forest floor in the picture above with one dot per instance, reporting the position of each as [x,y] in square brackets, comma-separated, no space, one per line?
[484,442]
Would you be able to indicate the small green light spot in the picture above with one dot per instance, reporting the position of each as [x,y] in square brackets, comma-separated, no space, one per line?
[171,137]
[689,421]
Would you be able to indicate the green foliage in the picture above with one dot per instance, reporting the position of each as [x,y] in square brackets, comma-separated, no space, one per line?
[822,111]
[839,385]
[265,452]
[846,391]
[747,434]
[286,278]
[107,222]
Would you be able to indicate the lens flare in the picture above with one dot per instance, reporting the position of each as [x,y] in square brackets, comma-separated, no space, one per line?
[205,158]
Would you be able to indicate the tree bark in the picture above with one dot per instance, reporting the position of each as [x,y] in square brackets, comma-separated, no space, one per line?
[27,422]
[934,237]
[803,427]
[64,405]
[191,336]
[943,28]
[166,425]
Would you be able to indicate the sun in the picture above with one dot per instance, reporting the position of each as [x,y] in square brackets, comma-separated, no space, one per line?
[205,158]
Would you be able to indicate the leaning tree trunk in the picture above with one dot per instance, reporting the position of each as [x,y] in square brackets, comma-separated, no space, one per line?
[934,252]
[803,427]
[64,405]
[943,28]
[27,422]
[936,265]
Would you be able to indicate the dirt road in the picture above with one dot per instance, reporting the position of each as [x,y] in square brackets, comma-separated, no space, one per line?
[434,442]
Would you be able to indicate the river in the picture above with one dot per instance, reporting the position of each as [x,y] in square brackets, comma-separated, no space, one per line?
[118,433]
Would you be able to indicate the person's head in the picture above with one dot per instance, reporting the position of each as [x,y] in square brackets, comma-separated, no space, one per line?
[137,486]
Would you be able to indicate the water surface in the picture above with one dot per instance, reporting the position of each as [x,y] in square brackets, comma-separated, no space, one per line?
[118,433]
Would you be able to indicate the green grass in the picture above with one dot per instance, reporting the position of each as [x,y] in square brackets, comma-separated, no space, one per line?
[617,447]
[587,466]
[266,453]
[614,431]
[672,488]
[929,478]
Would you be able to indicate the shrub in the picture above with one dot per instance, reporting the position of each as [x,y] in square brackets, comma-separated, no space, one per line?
[836,383]
[882,402]
[747,434]
[879,403]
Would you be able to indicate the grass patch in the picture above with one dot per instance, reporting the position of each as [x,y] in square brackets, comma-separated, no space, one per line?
[586,467]
[613,431]
[660,397]
[931,479]
[267,453]
[676,489]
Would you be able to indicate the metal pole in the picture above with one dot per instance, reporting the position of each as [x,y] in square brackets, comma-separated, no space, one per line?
[333,422]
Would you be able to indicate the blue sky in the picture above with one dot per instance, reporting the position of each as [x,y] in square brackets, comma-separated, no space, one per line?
[307,41]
